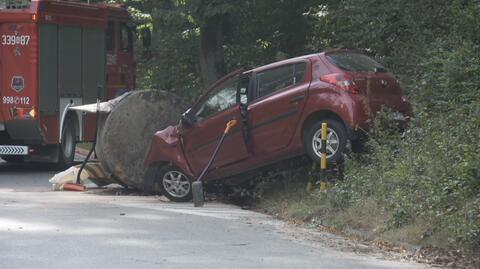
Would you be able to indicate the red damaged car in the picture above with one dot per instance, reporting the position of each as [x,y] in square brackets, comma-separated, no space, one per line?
[279,109]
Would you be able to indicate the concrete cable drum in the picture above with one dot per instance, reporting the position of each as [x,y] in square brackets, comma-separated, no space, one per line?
[127,131]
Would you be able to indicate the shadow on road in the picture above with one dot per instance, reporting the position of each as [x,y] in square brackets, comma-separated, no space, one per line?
[31,167]
[28,167]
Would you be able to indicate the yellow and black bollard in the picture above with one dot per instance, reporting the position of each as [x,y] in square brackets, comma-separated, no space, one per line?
[323,159]
[323,164]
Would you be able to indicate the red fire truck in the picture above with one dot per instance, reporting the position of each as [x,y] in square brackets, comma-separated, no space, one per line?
[54,55]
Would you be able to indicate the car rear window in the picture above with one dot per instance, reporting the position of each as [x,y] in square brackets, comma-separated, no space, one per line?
[350,61]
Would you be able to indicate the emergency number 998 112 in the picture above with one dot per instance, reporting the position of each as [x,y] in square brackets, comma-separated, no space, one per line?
[16,100]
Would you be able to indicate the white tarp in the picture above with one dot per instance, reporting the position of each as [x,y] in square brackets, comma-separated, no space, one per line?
[105,107]
[93,172]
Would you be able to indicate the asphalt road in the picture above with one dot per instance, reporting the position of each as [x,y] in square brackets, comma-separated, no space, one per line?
[99,229]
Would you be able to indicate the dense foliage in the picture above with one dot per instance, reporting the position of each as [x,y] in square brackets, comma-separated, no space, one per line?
[430,175]
[186,32]
[427,176]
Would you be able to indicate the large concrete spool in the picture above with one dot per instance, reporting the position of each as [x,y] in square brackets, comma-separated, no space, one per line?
[126,132]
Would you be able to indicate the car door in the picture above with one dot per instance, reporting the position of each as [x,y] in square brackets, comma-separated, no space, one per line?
[273,116]
[211,115]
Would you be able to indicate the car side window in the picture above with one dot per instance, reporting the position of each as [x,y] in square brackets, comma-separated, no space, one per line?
[299,72]
[219,100]
[272,80]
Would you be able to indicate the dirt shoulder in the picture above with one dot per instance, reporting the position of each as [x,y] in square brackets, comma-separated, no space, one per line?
[354,241]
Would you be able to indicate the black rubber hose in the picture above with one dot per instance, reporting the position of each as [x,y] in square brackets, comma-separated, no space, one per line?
[200,178]
[94,144]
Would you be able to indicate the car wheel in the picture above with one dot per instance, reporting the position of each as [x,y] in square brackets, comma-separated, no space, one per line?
[67,147]
[174,184]
[336,140]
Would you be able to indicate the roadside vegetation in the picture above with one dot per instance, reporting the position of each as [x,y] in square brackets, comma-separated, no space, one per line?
[423,185]
[420,186]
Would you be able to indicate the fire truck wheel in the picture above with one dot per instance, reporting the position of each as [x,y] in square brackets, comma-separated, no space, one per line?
[67,147]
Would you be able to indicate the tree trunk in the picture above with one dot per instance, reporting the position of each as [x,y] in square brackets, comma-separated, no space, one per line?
[212,61]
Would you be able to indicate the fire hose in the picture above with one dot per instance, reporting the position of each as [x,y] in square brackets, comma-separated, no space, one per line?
[77,186]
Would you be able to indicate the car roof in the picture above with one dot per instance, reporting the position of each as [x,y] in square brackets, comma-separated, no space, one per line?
[283,62]
[296,59]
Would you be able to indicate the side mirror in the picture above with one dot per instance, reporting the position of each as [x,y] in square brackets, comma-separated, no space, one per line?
[242,90]
[146,37]
[187,119]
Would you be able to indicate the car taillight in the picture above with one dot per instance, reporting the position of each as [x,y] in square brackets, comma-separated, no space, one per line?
[24,113]
[342,81]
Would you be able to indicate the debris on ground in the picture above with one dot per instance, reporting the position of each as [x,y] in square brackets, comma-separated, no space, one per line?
[93,172]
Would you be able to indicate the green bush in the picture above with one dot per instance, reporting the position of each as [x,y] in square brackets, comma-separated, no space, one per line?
[424,182]
[429,175]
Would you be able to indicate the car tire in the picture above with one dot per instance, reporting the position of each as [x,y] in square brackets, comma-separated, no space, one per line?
[66,152]
[336,140]
[174,184]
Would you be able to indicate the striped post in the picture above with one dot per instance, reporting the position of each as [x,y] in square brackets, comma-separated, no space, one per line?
[323,158]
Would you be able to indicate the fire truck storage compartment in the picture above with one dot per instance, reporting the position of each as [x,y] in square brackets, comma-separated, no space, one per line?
[70,61]
[93,42]
[72,64]
[48,69]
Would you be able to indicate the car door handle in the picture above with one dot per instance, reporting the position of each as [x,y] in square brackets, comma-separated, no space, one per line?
[297,99]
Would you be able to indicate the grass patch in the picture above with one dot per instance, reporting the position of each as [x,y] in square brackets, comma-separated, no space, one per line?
[419,187]
[85,146]
[367,219]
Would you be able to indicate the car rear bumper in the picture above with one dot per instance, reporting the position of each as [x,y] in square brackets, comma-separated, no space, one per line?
[360,133]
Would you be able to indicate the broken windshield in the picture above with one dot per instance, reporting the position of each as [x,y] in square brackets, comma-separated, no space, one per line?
[14,4]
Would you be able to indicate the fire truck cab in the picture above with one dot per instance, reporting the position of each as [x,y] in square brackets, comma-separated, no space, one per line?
[54,55]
